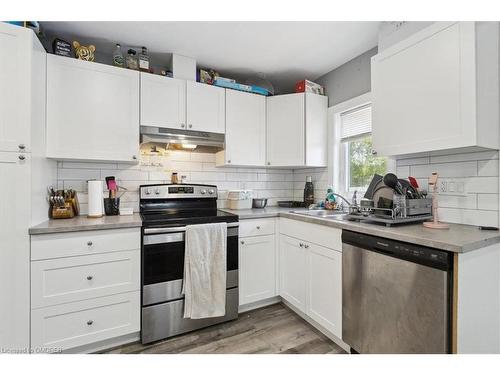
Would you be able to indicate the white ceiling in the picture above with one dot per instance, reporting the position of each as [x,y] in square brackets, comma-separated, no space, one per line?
[285,51]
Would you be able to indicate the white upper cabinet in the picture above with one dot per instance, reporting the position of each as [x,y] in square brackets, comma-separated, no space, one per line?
[205,107]
[163,101]
[297,130]
[245,130]
[15,84]
[92,111]
[437,89]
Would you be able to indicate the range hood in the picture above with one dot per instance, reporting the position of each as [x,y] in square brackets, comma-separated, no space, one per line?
[153,134]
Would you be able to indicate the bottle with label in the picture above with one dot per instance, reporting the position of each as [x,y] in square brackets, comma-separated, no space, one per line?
[132,62]
[309,192]
[144,60]
[118,59]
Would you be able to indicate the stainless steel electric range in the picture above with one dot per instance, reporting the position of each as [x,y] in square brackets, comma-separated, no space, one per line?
[166,209]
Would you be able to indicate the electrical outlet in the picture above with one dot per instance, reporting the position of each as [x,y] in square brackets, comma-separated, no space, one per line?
[460,187]
[443,186]
[451,187]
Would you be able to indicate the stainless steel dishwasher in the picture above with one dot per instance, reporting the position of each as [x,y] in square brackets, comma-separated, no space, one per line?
[396,296]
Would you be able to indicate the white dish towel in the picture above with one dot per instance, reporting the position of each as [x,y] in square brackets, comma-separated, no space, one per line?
[204,285]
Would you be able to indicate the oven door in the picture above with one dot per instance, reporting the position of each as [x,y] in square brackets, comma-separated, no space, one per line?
[163,263]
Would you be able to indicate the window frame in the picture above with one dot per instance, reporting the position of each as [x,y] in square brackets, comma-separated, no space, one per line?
[338,167]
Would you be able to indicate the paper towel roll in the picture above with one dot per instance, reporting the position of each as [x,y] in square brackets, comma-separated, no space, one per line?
[96,202]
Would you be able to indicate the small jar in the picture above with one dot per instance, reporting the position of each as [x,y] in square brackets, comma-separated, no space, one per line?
[131,60]
[174,179]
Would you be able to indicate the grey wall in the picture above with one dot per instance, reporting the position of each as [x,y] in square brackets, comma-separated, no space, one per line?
[349,80]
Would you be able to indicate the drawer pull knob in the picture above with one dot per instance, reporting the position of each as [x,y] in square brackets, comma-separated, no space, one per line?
[90,277]
[90,322]
[22,146]
[89,243]
[242,242]
[22,157]
[301,244]
[306,246]
[258,227]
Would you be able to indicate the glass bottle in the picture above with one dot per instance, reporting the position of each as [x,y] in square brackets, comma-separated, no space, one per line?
[309,192]
[118,59]
[144,60]
[132,62]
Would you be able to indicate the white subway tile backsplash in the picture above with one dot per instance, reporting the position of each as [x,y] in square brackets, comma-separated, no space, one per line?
[78,174]
[477,172]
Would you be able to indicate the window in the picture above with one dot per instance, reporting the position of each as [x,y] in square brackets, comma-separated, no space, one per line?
[356,164]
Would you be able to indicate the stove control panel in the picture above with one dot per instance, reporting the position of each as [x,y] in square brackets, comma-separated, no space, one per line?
[178,191]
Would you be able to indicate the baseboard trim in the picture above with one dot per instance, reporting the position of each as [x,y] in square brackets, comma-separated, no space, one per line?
[318,326]
[259,304]
[105,344]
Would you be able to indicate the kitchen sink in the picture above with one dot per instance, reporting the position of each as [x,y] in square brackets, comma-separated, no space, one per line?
[327,214]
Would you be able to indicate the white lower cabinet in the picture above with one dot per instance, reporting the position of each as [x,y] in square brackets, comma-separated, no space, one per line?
[85,287]
[324,289]
[85,322]
[257,269]
[311,274]
[293,272]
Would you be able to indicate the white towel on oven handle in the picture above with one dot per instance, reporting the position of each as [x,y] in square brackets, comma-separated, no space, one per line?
[205,269]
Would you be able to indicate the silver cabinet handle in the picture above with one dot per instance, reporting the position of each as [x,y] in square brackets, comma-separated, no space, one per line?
[90,277]
[301,244]
[242,242]
[229,161]
[22,146]
[90,322]
[89,243]
[268,163]
[190,126]
[183,125]
[134,157]
[374,152]
[258,227]
[22,157]
[306,246]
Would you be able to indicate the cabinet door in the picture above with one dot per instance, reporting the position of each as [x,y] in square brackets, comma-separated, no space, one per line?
[163,101]
[285,130]
[316,130]
[293,272]
[15,84]
[206,107]
[325,287]
[245,128]
[14,250]
[417,92]
[92,111]
[257,269]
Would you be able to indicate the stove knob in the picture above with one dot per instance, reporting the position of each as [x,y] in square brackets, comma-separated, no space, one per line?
[148,191]
[211,191]
[203,191]
[157,191]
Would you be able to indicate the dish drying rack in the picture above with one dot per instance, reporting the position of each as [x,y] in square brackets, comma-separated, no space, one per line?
[404,212]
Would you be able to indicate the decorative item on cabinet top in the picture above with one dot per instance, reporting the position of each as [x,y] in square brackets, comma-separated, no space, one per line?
[83,52]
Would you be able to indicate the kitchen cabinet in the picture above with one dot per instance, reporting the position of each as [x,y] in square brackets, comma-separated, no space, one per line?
[292,271]
[163,101]
[245,130]
[311,271]
[297,130]
[257,269]
[205,107]
[14,97]
[14,254]
[325,287]
[437,89]
[92,111]
[85,288]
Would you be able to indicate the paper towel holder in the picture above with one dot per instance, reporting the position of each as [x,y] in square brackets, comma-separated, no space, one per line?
[95,199]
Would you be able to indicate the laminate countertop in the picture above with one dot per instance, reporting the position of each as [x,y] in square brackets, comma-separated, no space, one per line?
[83,223]
[458,238]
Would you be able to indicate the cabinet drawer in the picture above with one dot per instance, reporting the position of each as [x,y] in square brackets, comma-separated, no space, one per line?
[80,323]
[257,227]
[319,234]
[58,245]
[63,280]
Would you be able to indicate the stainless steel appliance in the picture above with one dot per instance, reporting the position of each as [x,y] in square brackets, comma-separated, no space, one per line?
[166,210]
[152,134]
[396,296]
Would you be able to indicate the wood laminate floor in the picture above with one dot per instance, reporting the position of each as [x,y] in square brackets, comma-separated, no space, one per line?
[273,329]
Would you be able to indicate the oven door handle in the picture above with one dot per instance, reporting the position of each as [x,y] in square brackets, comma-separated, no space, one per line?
[178,229]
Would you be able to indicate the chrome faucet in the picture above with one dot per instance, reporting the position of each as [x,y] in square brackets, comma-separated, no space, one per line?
[353,206]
